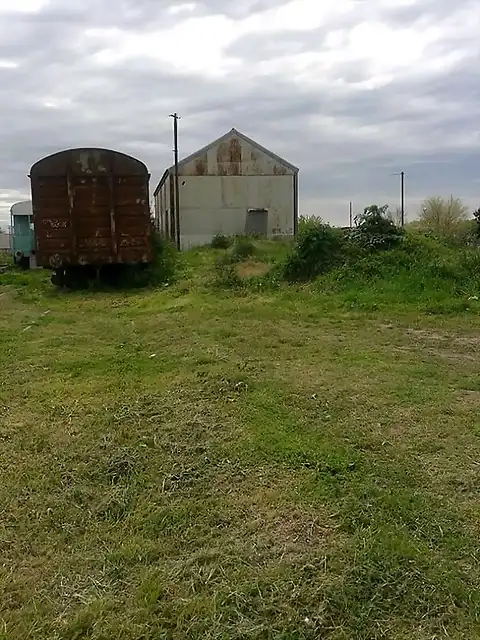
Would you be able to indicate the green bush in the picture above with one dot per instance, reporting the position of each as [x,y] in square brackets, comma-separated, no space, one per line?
[220,241]
[317,249]
[375,231]
[164,262]
[476,222]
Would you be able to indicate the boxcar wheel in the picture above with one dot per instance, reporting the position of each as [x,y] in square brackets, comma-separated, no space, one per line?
[24,263]
[70,280]
[57,278]
[77,277]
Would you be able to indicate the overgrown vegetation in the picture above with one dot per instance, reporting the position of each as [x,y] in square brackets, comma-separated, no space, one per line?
[260,459]
[240,249]
[319,247]
[375,265]
[379,264]
[160,270]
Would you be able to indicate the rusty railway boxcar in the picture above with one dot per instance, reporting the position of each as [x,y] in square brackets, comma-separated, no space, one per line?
[90,208]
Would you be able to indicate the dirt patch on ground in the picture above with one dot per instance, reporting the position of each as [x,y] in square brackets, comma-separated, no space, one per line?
[469,399]
[252,269]
[426,334]
[446,346]
[468,340]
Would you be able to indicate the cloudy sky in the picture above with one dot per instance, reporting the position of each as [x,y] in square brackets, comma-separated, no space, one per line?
[351,91]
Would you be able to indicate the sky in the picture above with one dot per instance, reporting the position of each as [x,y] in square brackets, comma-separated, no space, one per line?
[350,91]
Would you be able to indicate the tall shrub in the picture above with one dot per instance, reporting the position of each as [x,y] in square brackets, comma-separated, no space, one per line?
[374,230]
[317,249]
[443,216]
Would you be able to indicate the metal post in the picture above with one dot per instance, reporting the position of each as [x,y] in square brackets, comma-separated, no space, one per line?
[176,117]
[402,180]
[351,215]
[10,237]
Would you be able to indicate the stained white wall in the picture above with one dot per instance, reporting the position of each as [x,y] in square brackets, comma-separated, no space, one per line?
[219,204]
[220,183]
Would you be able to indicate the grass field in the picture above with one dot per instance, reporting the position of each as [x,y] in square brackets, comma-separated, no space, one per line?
[194,462]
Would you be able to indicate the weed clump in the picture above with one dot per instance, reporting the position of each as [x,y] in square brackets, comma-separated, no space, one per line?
[226,275]
[242,248]
[221,241]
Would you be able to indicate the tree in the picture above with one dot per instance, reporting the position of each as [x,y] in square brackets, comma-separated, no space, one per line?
[374,228]
[395,216]
[476,215]
[442,216]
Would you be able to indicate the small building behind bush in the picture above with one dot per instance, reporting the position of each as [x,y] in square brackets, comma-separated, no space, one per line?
[5,242]
[22,234]
[233,186]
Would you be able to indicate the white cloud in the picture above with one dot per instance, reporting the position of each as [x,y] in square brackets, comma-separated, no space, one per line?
[176,9]
[22,6]
[193,46]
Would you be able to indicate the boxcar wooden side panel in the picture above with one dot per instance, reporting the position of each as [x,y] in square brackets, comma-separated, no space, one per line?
[90,207]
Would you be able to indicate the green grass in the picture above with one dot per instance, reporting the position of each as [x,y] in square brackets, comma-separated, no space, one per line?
[190,462]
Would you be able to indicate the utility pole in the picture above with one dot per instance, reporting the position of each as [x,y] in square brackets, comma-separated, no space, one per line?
[402,188]
[351,215]
[176,118]
[402,194]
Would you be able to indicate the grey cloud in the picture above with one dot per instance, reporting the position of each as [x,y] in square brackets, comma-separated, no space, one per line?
[410,14]
[235,9]
[256,47]
[126,107]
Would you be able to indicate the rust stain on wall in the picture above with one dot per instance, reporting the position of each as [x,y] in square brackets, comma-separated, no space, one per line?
[235,157]
[229,158]
[201,165]
[222,158]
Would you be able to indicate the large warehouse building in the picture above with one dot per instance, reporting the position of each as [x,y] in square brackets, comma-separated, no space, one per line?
[232,186]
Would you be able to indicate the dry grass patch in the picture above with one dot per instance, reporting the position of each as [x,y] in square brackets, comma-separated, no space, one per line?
[252,268]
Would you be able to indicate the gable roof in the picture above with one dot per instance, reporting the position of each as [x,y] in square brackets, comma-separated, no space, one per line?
[214,143]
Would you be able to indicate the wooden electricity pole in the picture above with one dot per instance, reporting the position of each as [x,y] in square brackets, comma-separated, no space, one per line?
[402,188]
[176,118]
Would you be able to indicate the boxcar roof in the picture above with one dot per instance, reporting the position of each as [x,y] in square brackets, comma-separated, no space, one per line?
[88,161]
[23,208]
